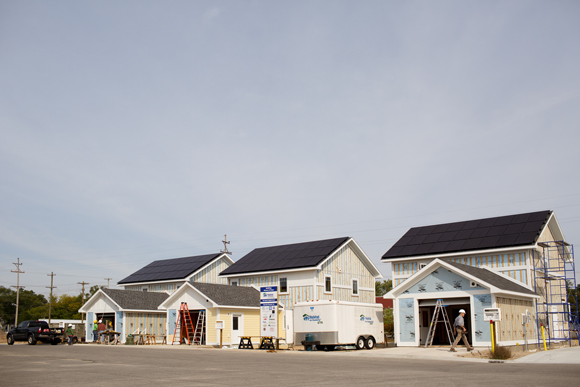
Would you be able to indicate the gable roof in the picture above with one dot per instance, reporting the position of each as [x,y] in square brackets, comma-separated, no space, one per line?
[496,282]
[284,257]
[219,295]
[492,278]
[479,234]
[135,300]
[170,269]
[228,295]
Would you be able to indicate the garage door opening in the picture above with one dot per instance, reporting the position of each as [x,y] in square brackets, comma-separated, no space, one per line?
[452,307]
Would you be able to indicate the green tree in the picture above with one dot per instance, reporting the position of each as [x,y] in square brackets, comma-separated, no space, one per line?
[383,287]
[388,320]
[31,306]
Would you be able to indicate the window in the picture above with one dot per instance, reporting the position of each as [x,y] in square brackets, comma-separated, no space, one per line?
[327,284]
[235,323]
[355,287]
[283,285]
[144,289]
[422,265]
[234,283]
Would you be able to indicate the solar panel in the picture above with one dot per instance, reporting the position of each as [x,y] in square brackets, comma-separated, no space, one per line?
[297,255]
[167,269]
[504,231]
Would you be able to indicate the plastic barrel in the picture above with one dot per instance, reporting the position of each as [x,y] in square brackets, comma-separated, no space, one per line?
[130,340]
[309,337]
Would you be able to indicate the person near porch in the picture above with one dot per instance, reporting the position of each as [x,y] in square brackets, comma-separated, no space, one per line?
[460,331]
[101,327]
[70,333]
[95,331]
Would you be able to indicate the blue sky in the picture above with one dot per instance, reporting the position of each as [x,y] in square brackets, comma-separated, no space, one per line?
[134,131]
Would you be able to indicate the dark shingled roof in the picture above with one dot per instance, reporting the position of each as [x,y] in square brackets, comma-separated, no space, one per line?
[169,269]
[480,234]
[228,295]
[294,256]
[132,299]
[492,278]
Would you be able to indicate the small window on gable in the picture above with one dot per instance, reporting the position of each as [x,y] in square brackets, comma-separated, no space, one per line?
[234,283]
[145,289]
[355,287]
[422,265]
[283,285]
[327,284]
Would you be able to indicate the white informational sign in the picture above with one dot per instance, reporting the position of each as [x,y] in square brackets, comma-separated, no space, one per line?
[219,324]
[491,314]
[269,311]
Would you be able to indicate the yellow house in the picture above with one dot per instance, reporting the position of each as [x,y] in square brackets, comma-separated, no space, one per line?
[225,313]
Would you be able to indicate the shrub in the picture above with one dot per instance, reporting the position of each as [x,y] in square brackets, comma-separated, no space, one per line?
[501,353]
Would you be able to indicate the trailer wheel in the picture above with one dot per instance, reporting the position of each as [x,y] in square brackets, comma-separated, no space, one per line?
[360,343]
[31,340]
[370,344]
[10,339]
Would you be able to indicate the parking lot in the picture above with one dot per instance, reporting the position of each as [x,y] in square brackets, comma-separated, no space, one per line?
[63,365]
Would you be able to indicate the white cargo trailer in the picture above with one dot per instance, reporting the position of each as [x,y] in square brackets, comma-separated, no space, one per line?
[334,323]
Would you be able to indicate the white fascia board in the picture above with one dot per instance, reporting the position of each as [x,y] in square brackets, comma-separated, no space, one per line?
[152,282]
[517,294]
[143,311]
[267,272]
[188,278]
[180,291]
[82,308]
[408,282]
[238,307]
[448,255]
[175,294]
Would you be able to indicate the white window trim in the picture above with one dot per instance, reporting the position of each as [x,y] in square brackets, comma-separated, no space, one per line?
[325,277]
[280,286]
[234,282]
[357,287]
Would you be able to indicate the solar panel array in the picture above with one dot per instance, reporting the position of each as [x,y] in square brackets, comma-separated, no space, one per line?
[168,269]
[294,256]
[481,234]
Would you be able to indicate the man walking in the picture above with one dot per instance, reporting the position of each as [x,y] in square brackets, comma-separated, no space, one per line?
[70,333]
[460,331]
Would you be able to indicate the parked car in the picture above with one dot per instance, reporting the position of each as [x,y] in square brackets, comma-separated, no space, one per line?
[33,331]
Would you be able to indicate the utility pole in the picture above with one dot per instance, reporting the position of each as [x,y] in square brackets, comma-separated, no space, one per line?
[108,279]
[83,302]
[51,275]
[18,272]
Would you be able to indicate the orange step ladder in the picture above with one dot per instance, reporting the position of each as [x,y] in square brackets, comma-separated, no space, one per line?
[184,318]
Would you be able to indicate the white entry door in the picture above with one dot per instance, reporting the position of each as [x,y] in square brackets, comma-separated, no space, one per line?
[237,327]
[289,322]
[424,323]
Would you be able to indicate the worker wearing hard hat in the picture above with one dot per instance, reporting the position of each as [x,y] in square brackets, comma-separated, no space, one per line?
[95,330]
[101,327]
[460,331]
[70,333]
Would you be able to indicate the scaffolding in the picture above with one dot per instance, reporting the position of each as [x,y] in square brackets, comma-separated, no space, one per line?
[554,273]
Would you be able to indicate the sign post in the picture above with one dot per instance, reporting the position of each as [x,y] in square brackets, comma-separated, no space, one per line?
[269,311]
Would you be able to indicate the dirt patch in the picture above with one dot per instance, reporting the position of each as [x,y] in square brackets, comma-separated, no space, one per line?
[2,336]
[486,354]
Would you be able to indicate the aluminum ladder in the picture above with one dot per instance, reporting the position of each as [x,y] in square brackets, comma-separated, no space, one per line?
[183,318]
[199,328]
[439,308]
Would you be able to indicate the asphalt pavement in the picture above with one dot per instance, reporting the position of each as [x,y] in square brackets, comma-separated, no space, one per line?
[93,365]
